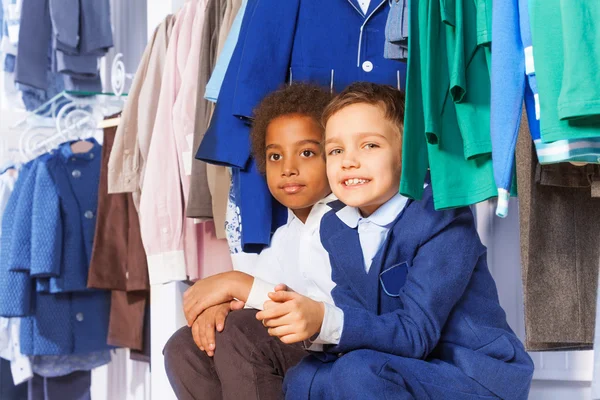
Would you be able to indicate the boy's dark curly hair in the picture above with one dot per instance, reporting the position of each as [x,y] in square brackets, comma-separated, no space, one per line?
[297,98]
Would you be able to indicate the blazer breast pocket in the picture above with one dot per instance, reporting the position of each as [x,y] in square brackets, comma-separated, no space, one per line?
[392,279]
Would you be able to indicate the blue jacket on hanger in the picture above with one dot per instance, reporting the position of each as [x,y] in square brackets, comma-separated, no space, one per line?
[65,203]
[61,315]
[329,43]
[424,322]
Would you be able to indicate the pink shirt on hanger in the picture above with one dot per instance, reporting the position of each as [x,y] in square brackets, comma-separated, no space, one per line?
[184,116]
[169,245]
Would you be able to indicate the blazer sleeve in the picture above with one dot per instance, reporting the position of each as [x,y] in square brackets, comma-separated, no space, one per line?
[20,244]
[435,283]
[46,226]
[508,88]
[267,53]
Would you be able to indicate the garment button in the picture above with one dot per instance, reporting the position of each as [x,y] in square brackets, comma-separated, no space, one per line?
[91,156]
[367,66]
[79,317]
[88,214]
[76,173]
[126,151]
[340,354]
[73,159]
[126,274]
[165,230]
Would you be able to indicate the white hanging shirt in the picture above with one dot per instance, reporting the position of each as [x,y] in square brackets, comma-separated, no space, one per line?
[364,5]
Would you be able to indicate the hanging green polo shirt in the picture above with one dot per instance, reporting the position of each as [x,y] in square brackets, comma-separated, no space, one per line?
[432,136]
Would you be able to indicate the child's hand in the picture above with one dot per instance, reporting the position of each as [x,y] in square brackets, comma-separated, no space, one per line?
[213,291]
[294,319]
[203,329]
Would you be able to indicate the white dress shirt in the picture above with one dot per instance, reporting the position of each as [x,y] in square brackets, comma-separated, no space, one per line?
[297,258]
[364,5]
[373,230]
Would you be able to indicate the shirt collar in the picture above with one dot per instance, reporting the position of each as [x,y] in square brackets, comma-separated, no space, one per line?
[383,216]
[317,210]
[66,152]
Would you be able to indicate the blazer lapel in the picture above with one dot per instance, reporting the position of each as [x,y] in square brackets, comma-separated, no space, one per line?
[354,3]
[349,259]
[381,260]
[374,6]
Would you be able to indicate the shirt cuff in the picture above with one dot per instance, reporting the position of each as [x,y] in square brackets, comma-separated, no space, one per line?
[331,329]
[502,207]
[259,293]
[166,267]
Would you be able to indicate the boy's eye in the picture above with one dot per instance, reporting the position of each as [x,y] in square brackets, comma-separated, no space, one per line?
[371,146]
[308,153]
[335,152]
[275,157]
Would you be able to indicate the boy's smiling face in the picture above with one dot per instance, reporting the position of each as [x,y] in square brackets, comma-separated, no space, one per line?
[295,166]
[363,151]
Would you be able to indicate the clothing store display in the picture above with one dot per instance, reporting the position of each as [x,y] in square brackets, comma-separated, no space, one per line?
[168,193]
[248,363]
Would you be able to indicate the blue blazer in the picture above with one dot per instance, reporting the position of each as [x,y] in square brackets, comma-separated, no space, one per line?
[49,288]
[428,296]
[331,43]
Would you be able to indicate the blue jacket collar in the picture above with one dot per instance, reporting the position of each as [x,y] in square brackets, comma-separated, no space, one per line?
[66,152]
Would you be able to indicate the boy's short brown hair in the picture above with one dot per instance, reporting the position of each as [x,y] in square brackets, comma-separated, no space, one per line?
[387,97]
[298,98]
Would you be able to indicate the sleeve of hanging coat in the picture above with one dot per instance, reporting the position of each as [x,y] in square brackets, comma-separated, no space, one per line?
[161,203]
[267,53]
[19,257]
[15,286]
[123,171]
[46,226]
[508,88]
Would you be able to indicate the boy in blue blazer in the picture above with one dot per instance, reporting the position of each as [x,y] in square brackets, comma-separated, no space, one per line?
[419,311]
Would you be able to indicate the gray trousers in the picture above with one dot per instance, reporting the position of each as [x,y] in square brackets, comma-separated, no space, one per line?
[248,363]
[560,249]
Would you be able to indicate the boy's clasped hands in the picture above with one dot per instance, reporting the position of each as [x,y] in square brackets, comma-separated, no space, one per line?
[288,315]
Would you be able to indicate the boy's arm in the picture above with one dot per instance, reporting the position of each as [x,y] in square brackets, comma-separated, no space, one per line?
[251,287]
[436,281]
[215,290]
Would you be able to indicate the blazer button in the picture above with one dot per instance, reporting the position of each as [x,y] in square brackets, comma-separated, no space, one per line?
[88,214]
[76,173]
[79,317]
[367,66]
